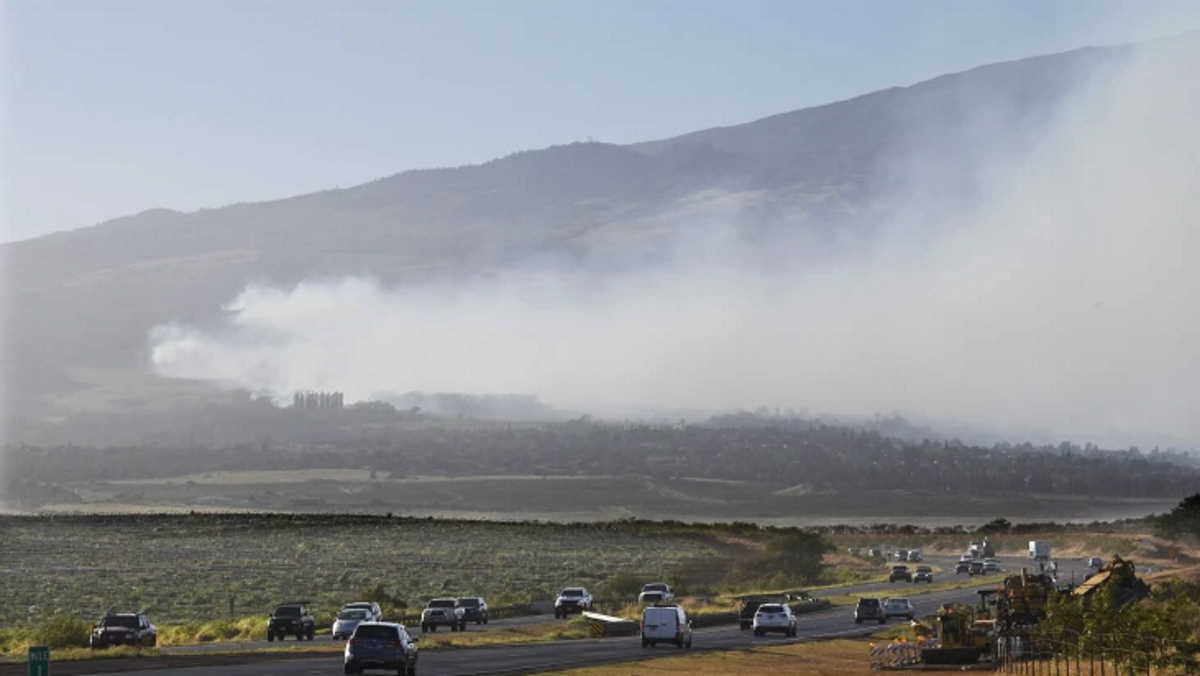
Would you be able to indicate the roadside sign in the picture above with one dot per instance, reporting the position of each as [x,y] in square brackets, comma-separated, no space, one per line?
[39,661]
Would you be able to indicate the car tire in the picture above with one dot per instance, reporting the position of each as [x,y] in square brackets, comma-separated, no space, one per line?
[857,620]
[882,620]
[758,632]
[270,637]
[689,643]
[645,644]
[348,668]
[485,619]
[312,634]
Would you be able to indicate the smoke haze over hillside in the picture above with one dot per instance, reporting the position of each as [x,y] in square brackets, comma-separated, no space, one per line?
[1065,299]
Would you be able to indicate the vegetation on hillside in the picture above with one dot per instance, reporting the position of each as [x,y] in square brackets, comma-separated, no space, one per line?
[798,457]
[1181,522]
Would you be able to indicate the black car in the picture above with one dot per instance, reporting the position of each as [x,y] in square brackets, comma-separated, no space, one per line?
[291,619]
[475,609]
[962,567]
[123,629]
[900,573]
[869,609]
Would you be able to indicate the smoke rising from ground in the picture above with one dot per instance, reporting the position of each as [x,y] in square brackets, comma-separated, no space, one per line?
[1065,300]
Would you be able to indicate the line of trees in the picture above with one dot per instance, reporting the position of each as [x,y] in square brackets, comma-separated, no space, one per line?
[1157,634]
[814,457]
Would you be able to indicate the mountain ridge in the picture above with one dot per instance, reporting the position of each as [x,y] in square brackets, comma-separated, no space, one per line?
[87,298]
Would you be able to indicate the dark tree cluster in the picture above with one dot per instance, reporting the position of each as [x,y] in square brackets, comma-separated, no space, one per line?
[811,456]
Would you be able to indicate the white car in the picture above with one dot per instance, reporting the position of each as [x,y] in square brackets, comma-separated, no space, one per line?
[991,566]
[572,600]
[656,592]
[897,608]
[347,621]
[374,612]
[666,624]
[775,617]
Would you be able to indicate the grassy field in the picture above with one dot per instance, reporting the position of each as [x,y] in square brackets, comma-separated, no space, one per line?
[559,497]
[182,568]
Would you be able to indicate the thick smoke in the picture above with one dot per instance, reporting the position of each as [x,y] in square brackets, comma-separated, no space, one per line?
[1066,300]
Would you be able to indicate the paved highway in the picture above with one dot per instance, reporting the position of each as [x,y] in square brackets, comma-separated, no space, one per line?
[534,657]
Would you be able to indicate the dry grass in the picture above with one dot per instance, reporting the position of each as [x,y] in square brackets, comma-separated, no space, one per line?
[832,658]
[573,629]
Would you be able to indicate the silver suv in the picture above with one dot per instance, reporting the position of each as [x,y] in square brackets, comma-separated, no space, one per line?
[381,645]
[443,613]
[572,600]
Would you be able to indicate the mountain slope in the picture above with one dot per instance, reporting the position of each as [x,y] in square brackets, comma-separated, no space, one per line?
[86,299]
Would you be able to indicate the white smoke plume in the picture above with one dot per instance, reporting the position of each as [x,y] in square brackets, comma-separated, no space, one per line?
[1068,300]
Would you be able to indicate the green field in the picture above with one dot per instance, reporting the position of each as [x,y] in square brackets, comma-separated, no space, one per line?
[559,498]
[185,567]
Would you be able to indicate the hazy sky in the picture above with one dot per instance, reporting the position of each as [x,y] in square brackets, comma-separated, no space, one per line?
[114,107]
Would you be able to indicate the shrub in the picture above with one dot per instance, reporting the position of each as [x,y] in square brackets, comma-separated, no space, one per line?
[623,585]
[61,631]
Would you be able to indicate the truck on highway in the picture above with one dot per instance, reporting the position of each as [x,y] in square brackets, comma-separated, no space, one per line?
[1039,550]
[981,550]
[291,619]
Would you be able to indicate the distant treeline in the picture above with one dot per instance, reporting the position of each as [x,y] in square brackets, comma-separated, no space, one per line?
[811,456]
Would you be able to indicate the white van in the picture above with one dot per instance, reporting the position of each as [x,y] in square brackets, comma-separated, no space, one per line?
[666,624]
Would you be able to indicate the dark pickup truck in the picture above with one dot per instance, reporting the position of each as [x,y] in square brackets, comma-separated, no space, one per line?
[291,619]
[123,629]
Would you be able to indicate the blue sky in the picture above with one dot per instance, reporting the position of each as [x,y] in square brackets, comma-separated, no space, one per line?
[110,108]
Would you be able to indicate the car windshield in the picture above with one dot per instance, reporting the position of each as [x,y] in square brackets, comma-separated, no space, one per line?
[377,631]
[470,603]
[127,621]
[572,592]
[771,608]
[924,569]
[897,603]
[442,603]
[900,569]
[655,587]
[653,596]
[352,614]
[868,603]
[287,611]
